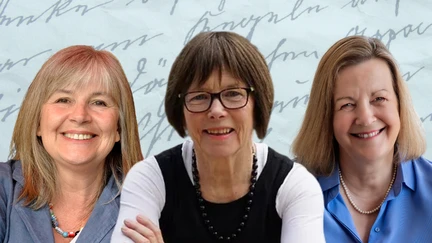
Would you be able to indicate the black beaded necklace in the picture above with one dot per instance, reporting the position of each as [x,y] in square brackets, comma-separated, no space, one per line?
[202,207]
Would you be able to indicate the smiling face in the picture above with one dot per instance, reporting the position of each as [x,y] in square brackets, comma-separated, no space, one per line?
[220,132]
[79,126]
[366,119]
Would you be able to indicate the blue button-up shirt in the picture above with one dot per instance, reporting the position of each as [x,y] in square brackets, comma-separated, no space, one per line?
[21,224]
[405,216]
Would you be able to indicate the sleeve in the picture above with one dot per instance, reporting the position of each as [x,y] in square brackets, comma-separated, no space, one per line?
[300,204]
[5,195]
[143,192]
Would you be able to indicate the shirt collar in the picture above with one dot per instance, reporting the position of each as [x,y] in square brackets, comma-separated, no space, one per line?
[405,176]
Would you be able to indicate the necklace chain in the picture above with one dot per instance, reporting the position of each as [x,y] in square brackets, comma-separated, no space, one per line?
[202,206]
[347,193]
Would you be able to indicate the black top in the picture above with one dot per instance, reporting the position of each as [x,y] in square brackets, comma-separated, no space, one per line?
[181,220]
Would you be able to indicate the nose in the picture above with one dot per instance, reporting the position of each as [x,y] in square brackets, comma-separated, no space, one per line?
[217,110]
[80,113]
[365,115]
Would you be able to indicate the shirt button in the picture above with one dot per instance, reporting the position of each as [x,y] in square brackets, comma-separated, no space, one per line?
[377,229]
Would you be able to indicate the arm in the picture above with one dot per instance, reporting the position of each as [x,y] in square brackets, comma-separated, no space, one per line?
[300,204]
[143,193]
[5,195]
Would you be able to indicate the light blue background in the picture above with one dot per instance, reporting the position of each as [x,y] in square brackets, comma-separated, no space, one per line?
[147,35]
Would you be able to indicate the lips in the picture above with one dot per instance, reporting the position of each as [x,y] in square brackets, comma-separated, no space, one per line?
[368,135]
[78,136]
[221,131]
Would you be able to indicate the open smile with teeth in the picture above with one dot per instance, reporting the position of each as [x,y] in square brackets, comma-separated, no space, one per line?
[78,136]
[368,135]
[223,131]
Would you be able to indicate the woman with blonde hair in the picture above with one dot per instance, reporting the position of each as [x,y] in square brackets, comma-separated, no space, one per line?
[367,144]
[75,138]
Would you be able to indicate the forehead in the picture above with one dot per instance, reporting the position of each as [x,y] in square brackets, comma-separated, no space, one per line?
[367,76]
[218,80]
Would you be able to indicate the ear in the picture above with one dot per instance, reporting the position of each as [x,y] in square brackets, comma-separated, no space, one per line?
[38,131]
[117,138]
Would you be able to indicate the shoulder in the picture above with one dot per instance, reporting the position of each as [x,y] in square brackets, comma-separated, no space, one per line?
[272,160]
[422,169]
[300,175]
[10,171]
[299,184]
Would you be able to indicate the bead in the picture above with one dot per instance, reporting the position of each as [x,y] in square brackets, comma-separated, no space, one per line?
[348,194]
[55,225]
[201,201]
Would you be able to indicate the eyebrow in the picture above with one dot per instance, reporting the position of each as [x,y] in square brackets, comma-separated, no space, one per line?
[344,97]
[66,91]
[351,98]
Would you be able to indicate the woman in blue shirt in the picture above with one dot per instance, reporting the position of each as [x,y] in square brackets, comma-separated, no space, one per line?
[367,144]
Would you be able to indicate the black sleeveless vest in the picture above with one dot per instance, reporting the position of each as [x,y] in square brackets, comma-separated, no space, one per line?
[181,221]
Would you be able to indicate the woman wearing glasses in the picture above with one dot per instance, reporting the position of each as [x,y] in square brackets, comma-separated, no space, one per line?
[221,186]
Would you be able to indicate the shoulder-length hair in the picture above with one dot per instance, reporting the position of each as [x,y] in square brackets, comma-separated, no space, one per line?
[315,145]
[219,51]
[75,67]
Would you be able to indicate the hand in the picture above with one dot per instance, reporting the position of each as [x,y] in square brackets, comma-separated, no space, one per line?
[142,230]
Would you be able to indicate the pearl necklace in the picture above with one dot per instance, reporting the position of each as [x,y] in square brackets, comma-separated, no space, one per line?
[347,193]
[202,207]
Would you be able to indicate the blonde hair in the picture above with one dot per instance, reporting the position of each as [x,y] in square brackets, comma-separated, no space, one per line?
[221,51]
[74,67]
[315,145]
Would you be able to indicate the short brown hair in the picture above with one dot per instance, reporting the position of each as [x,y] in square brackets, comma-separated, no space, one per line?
[220,51]
[73,66]
[315,145]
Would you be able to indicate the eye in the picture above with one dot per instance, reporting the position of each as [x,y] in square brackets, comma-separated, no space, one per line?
[233,93]
[347,107]
[62,100]
[379,100]
[99,103]
[197,97]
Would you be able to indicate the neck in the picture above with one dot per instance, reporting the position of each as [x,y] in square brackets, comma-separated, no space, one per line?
[225,179]
[367,177]
[79,188]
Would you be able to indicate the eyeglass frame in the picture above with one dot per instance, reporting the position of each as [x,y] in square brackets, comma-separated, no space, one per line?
[217,95]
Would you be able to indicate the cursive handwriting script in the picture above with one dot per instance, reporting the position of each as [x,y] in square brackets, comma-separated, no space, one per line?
[156,130]
[126,43]
[355,4]
[250,22]
[391,34]
[274,55]
[407,76]
[281,105]
[56,10]
[9,64]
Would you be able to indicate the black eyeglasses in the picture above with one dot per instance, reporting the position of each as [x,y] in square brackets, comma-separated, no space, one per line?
[232,98]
